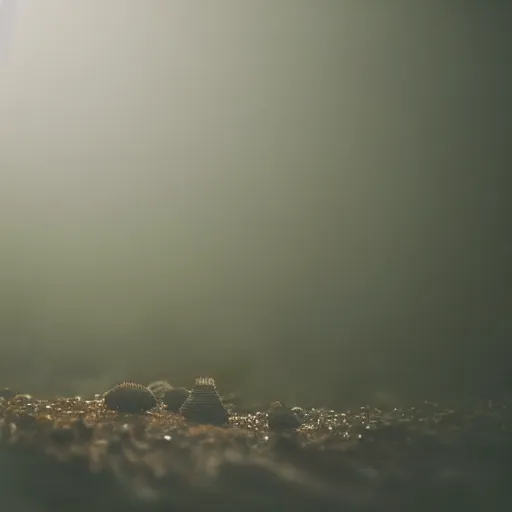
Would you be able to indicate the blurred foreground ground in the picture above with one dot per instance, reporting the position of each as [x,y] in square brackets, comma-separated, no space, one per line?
[73,455]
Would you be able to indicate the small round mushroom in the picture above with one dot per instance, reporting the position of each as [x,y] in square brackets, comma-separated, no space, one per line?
[159,387]
[130,397]
[175,398]
[282,418]
[204,405]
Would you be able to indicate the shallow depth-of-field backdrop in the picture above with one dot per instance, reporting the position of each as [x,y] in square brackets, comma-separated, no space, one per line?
[305,200]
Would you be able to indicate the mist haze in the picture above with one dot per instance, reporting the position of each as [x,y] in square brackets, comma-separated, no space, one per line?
[305,200]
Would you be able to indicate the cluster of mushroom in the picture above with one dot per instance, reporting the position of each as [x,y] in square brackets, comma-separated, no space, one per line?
[201,405]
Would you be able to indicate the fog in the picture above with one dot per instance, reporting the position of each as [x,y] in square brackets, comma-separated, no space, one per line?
[304,200]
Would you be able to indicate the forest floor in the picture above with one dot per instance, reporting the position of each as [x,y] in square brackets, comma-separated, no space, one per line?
[74,455]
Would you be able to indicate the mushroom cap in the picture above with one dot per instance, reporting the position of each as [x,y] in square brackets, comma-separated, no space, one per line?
[175,398]
[129,397]
[282,418]
[159,387]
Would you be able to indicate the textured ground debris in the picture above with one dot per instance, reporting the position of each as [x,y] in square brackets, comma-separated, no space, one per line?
[74,454]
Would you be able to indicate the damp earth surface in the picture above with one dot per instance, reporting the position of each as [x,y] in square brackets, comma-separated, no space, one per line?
[77,454]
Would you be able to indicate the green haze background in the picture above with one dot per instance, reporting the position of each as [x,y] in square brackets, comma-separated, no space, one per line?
[306,200]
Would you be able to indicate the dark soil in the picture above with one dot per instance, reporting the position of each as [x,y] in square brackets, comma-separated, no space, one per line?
[74,455]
